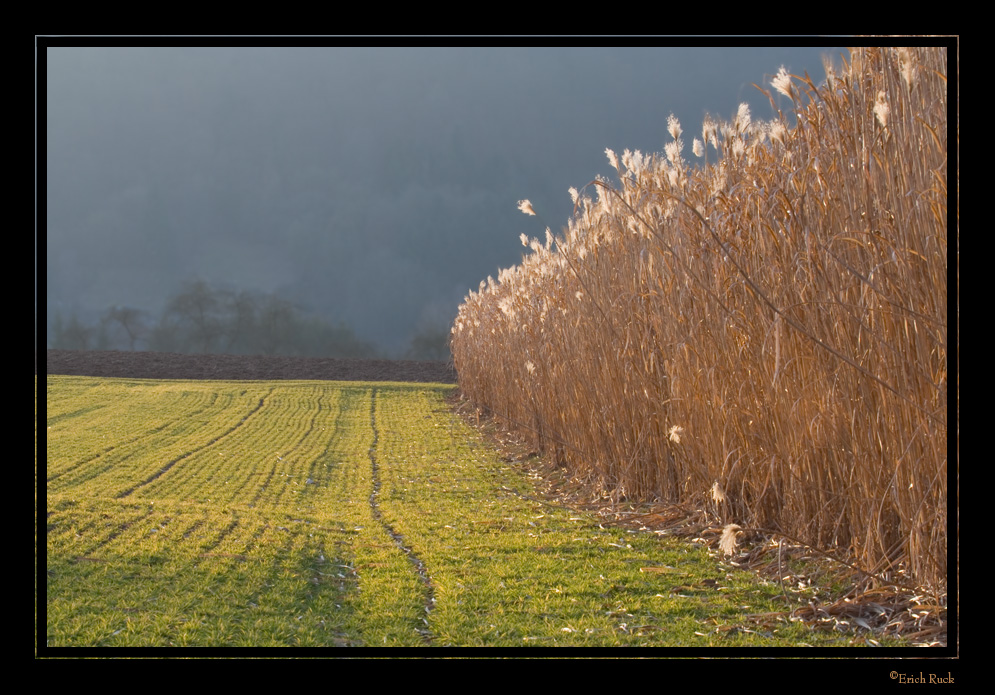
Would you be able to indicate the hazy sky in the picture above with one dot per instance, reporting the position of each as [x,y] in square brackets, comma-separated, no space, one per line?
[373,186]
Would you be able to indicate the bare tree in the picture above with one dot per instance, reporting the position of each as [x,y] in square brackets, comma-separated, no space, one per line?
[243,322]
[70,335]
[197,314]
[129,320]
[276,328]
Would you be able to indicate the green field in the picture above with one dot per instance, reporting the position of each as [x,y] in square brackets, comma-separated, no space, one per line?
[196,513]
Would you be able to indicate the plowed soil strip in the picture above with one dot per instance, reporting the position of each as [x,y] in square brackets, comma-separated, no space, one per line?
[419,566]
[169,365]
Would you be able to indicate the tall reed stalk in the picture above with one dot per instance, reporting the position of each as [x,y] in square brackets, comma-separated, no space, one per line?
[771,324]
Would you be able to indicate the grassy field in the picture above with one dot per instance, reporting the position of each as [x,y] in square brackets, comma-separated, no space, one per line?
[198,513]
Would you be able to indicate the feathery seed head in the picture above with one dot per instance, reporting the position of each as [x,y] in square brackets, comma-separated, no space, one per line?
[674,176]
[907,65]
[612,158]
[673,150]
[698,148]
[881,108]
[674,126]
[782,82]
[634,161]
[827,65]
[743,117]
[526,207]
[710,131]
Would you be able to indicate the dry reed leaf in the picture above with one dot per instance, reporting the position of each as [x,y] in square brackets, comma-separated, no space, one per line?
[727,544]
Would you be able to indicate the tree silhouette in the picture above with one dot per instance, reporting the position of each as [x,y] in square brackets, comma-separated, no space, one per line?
[277,325]
[70,335]
[429,343]
[129,321]
[242,324]
[194,318]
[205,319]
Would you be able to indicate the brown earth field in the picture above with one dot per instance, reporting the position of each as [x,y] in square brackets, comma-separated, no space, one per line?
[169,365]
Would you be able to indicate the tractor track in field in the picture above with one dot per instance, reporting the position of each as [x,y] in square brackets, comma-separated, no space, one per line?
[417,563]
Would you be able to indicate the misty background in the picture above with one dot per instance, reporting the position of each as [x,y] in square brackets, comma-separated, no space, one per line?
[350,195]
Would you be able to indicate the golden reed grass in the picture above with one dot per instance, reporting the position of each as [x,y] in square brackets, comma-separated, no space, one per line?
[765,334]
